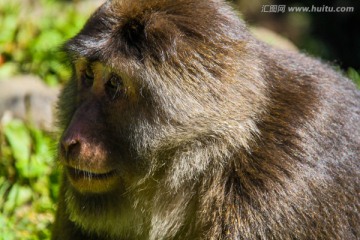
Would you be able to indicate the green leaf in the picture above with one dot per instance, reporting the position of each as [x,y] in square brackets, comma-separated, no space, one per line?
[9,26]
[18,196]
[354,75]
[19,140]
[8,69]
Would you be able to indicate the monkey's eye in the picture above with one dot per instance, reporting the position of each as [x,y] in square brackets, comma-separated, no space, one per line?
[113,86]
[88,76]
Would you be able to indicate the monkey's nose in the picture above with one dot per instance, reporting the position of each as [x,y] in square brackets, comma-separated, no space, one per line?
[68,146]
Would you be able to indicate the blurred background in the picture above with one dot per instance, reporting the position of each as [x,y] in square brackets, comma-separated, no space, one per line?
[32,71]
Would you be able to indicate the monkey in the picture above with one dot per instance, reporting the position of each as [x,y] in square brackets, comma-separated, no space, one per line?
[178,124]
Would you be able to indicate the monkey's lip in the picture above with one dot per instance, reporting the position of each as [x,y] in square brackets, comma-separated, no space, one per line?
[86,181]
[79,173]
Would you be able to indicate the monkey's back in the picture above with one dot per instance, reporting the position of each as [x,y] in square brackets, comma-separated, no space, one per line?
[301,179]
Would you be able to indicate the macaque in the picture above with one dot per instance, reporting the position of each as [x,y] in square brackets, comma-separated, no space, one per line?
[178,124]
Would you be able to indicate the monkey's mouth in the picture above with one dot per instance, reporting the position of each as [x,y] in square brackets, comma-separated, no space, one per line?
[77,174]
[92,182]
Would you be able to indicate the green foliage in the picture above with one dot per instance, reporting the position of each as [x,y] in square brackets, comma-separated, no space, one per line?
[28,182]
[31,34]
[354,75]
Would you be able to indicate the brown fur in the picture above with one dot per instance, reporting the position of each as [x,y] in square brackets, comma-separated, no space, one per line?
[216,135]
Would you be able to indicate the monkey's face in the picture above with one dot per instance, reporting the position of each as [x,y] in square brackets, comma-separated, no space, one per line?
[89,149]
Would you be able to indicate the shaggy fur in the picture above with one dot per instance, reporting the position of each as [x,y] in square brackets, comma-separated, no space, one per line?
[227,138]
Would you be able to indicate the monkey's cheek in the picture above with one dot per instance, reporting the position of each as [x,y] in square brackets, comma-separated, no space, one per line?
[92,183]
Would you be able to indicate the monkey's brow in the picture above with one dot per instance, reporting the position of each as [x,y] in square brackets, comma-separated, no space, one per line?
[74,57]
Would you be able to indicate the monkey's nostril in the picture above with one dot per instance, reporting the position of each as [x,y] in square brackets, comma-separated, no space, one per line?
[68,145]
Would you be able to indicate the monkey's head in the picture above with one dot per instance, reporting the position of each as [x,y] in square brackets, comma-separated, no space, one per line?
[159,90]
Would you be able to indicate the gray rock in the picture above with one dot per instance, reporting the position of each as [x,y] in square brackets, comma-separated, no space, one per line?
[28,98]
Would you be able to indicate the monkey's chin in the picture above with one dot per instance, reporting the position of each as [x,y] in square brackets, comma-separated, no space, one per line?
[91,182]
